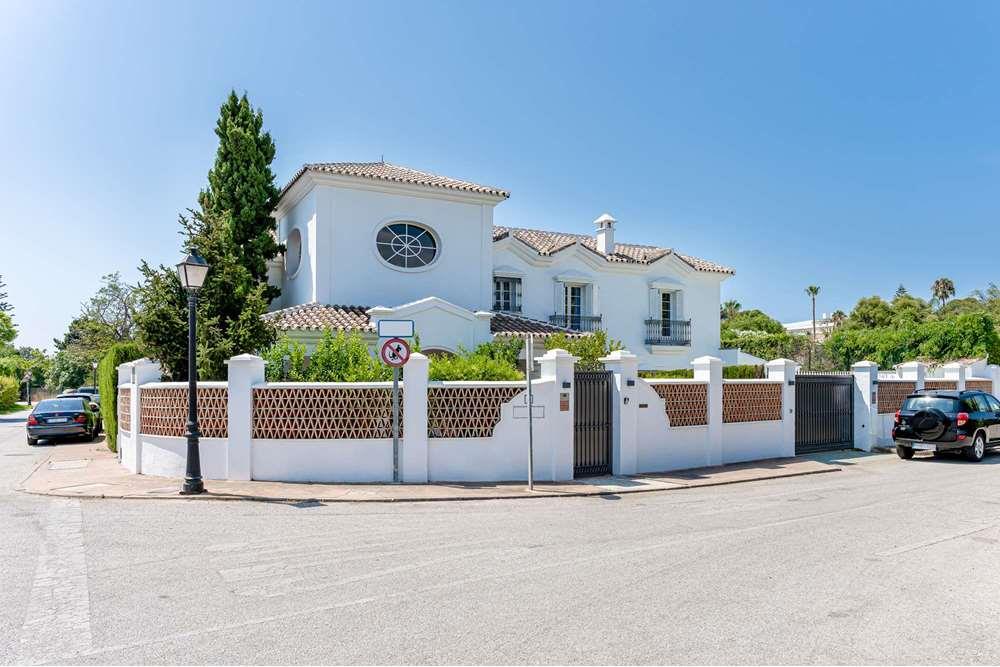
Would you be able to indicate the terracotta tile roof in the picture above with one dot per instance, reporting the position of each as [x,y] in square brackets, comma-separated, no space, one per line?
[316,317]
[392,173]
[549,243]
[508,324]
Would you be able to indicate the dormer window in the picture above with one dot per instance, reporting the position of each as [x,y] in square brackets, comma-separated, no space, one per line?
[506,294]
[406,245]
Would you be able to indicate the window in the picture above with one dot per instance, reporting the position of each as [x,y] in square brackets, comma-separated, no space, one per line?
[942,403]
[507,294]
[406,245]
[293,252]
[993,403]
[665,313]
[573,305]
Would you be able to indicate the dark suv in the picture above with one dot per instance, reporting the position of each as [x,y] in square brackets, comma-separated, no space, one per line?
[939,420]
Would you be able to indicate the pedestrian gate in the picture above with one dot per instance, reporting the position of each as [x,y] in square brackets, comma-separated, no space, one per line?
[592,423]
[824,412]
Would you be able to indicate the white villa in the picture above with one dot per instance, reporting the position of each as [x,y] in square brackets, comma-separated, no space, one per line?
[370,241]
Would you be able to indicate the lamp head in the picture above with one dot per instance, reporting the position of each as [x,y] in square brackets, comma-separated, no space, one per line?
[192,271]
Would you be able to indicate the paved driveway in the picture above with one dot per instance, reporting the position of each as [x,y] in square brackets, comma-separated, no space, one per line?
[888,561]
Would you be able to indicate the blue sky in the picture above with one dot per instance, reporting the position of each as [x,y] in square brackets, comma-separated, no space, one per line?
[852,145]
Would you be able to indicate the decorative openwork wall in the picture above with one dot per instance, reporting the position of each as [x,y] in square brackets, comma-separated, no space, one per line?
[940,384]
[891,394]
[686,402]
[163,411]
[324,413]
[124,409]
[751,401]
[466,412]
[980,385]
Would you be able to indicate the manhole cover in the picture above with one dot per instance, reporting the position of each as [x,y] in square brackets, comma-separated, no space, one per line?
[68,465]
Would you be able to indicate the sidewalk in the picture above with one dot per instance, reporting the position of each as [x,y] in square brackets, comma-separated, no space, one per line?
[89,470]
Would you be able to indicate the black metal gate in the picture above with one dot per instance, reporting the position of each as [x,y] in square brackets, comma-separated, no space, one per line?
[592,423]
[824,412]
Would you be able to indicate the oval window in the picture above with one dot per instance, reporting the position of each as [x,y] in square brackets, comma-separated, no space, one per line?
[406,245]
[293,252]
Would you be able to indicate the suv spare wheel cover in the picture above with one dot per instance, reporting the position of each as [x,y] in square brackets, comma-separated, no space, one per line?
[929,424]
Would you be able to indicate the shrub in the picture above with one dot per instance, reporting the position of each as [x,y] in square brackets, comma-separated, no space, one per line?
[588,348]
[274,356]
[107,383]
[489,362]
[10,391]
[344,357]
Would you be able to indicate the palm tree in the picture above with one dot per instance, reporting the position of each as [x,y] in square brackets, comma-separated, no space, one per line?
[943,289]
[838,317]
[729,309]
[812,292]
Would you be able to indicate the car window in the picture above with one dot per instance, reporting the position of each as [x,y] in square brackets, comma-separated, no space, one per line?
[59,405]
[977,403]
[993,403]
[942,403]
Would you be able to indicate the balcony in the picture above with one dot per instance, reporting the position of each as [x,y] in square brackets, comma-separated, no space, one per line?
[668,332]
[577,322]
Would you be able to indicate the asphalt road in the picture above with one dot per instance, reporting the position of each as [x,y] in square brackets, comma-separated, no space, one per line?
[886,562]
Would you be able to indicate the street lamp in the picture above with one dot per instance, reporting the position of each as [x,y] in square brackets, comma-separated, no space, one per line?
[93,365]
[192,271]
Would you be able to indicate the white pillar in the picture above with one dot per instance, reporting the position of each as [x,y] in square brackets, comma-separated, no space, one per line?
[709,369]
[143,371]
[245,370]
[913,371]
[557,366]
[625,367]
[993,373]
[413,457]
[126,445]
[956,371]
[865,405]
[784,370]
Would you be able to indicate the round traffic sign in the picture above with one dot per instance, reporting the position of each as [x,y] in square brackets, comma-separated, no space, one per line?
[395,352]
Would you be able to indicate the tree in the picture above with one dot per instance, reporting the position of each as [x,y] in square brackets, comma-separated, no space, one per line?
[870,313]
[8,332]
[838,318]
[753,320]
[942,290]
[589,348]
[910,309]
[900,291]
[5,306]
[812,292]
[235,233]
[113,308]
[729,309]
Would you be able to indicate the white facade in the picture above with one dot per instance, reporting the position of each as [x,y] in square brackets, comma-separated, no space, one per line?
[331,223]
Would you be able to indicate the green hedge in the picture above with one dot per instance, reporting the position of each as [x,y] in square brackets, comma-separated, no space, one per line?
[107,382]
[10,391]
[745,372]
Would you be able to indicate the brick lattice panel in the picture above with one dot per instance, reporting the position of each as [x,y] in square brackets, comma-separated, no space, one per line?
[981,385]
[466,412]
[940,384]
[163,411]
[324,413]
[124,409]
[891,394]
[751,402]
[686,403]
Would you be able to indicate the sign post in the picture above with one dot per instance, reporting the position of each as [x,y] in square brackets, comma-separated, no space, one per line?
[529,363]
[395,352]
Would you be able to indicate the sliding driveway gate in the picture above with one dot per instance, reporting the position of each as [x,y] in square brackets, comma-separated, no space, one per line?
[824,412]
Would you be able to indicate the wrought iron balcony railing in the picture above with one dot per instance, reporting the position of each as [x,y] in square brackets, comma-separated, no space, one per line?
[668,332]
[510,308]
[577,322]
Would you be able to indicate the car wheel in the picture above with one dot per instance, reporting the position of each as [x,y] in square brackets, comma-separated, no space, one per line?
[977,450]
[32,441]
[904,452]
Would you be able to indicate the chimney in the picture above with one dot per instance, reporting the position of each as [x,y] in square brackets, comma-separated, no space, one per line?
[605,234]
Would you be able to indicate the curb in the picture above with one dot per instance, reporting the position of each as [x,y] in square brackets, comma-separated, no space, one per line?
[208,496]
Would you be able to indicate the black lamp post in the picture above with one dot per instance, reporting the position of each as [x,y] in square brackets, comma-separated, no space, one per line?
[192,272]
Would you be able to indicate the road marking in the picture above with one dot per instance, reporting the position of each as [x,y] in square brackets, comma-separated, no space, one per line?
[57,623]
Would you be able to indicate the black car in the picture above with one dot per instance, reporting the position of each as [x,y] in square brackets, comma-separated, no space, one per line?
[939,420]
[94,405]
[61,418]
